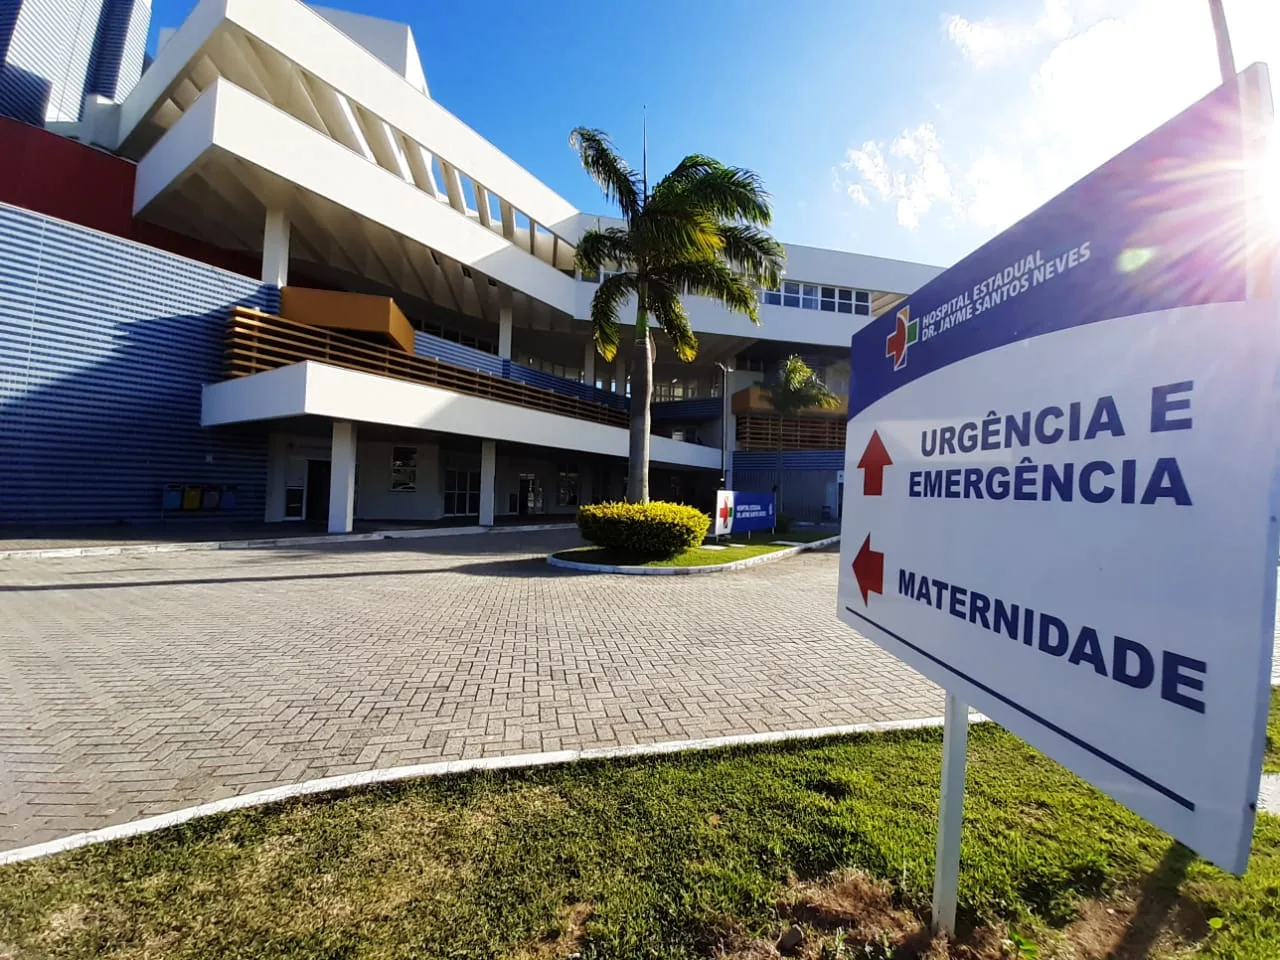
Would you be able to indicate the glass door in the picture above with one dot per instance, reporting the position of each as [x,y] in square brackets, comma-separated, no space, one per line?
[462,493]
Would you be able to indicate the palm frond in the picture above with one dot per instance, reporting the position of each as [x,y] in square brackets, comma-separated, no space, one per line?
[713,278]
[753,253]
[600,248]
[795,387]
[674,236]
[620,184]
[605,306]
[726,193]
[663,303]
[688,169]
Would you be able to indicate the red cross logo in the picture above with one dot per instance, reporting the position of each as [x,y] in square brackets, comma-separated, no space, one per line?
[726,511]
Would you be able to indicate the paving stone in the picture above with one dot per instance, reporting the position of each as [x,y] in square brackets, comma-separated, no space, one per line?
[139,684]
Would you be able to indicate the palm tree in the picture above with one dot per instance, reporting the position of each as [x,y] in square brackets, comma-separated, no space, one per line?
[794,388]
[697,232]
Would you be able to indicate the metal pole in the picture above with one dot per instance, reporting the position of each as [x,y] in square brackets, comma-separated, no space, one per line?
[1226,60]
[946,873]
[724,423]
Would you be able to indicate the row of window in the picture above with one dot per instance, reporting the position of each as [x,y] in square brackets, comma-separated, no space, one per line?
[462,487]
[546,366]
[813,296]
[465,339]
[792,293]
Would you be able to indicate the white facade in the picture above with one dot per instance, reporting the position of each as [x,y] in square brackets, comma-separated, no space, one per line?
[392,43]
[307,136]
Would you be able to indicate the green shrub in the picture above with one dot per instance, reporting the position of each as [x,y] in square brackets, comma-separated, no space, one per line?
[656,530]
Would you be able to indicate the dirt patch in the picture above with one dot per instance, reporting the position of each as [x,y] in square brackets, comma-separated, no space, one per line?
[1133,928]
[67,922]
[852,914]
[571,924]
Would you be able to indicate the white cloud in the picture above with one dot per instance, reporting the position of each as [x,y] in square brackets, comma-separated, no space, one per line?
[911,175]
[987,42]
[1075,86]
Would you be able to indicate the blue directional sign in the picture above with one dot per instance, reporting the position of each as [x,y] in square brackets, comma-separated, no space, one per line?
[1061,472]
[739,512]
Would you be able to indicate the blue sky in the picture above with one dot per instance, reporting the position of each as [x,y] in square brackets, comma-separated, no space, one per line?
[902,128]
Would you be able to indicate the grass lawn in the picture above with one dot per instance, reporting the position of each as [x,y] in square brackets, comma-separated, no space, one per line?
[697,557]
[796,535]
[697,856]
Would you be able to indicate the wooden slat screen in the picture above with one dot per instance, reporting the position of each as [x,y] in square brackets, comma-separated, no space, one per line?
[810,433]
[258,341]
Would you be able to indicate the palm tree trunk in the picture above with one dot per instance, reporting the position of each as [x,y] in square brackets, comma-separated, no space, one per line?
[641,394]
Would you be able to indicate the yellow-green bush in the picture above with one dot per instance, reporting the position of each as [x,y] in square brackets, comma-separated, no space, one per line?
[644,529]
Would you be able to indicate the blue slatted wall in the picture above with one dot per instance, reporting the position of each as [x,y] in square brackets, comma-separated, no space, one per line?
[701,408]
[446,351]
[119,49]
[791,460]
[104,346]
[569,388]
[48,59]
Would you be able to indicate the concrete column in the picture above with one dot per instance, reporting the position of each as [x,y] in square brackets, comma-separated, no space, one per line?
[277,465]
[275,249]
[589,364]
[488,474]
[620,371]
[342,479]
[504,326]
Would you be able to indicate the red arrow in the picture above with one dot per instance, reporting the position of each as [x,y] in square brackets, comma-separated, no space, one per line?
[874,459]
[868,570]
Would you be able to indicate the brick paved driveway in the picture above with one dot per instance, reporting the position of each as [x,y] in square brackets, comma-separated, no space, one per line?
[135,685]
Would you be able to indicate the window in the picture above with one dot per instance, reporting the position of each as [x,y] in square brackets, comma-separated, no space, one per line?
[567,489]
[590,276]
[461,493]
[404,469]
[812,296]
[750,364]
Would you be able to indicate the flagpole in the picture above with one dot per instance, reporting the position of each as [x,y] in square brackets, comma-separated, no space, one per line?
[644,154]
[1226,60]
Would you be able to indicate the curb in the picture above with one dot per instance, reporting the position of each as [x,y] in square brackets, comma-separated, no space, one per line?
[136,828]
[691,571]
[54,553]
[1269,793]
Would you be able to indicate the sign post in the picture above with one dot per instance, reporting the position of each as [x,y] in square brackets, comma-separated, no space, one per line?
[1063,487]
[946,870]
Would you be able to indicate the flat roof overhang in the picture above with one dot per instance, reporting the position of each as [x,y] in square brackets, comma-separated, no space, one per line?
[213,175]
[319,390]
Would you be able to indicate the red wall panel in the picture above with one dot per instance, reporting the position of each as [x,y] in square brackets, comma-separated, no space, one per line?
[62,178]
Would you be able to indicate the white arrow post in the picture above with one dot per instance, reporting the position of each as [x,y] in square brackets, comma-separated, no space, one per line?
[946,872]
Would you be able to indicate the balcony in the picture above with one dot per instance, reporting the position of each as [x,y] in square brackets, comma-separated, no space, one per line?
[258,342]
[760,428]
[757,432]
[754,400]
